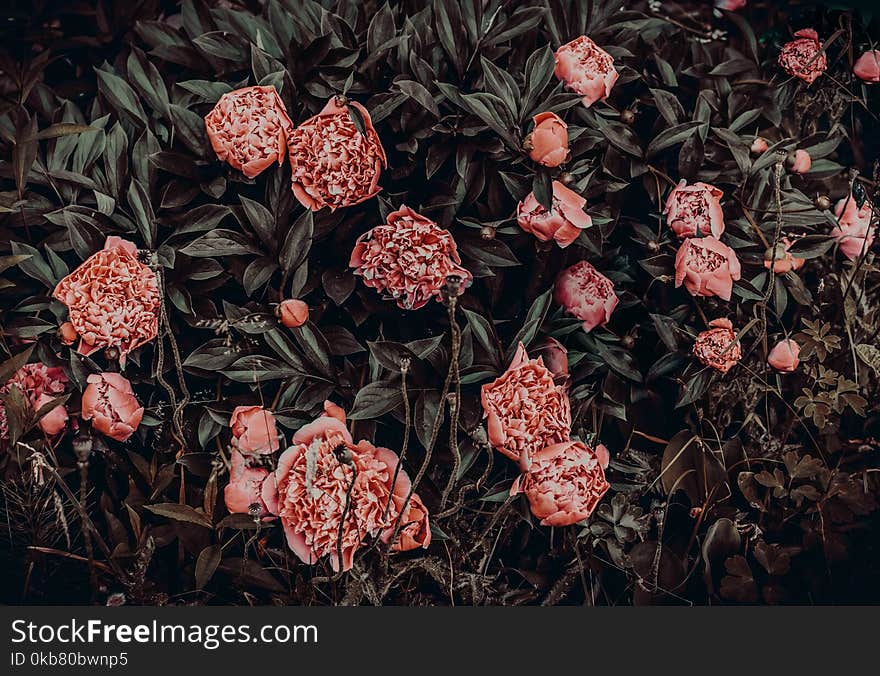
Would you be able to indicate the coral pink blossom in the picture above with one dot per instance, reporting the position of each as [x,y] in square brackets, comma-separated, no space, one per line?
[334,164]
[333,495]
[603,455]
[293,313]
[110,404]
[253,430]
[548,143]
[245,487]
[856,228]
[113,299]
[717,347]
[564,483]
[67,333]
[563,223]
[803,58]
[802,162]
[780,258]
[730,5]
[410,258]
[524,409]
[586,69]
[759,145]
[586,293]
[249,128]
[695,210]
[706,267]
[867,67]
[39,384]
[554,355]
[785,355]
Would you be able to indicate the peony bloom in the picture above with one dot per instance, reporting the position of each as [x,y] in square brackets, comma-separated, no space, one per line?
[39,384]
[409,257]
[113,299]
[780,259]
[707,267]
[802,162]
[325,485]
[249,128]
[586,293]
[564,483]
[554,355]
[67,333]
[855,229]
[245,486]
[548,143]
[335,165]
[525,409]
[730,5]
[759,145]
[293,313]
[586,69]
[802,58]
[717,347]
[867,67]
[110,404]
[785,356]
[253,430]
[563,223]
[695,210]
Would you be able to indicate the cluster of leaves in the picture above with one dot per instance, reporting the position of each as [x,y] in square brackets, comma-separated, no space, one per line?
[764,484]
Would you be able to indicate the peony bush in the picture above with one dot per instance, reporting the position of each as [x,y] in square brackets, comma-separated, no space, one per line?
[455,302]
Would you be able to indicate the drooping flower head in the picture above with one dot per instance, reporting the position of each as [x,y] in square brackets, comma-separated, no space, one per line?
[409,258]
[110,404]
[524,409]
[334,164]
[245,486]
[325,486]
[802,57]
[564,483]
[706,267]
[253,430]
[563,223]
[695,210]
[785,356]
[867,66]
[586,69]
[249,129]
[548,143]
[856,227]
[780,258]
[717,347]
[587,294]
[113,299]
[39,384]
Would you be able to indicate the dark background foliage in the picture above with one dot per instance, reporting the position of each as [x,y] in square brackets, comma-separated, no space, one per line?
[738,489]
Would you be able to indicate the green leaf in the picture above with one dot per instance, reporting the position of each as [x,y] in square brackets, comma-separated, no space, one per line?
[176,512]
[374,400]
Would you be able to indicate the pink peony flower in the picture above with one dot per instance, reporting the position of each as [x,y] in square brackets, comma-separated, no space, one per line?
[785,356]
[113,299]
[293,313]
[707,267]
[39,384]
[759,145]
[587,294]
[802,58]
[780,259]
[253,430]
[335,165]
[249,128]
[409,257]
[586,69]
[867,67]
[716,347]
[325,486]
[563,223]
[564,483]
[554,355]
[245,486]
[695,210]
[855,229]
[802,162]
[525,409]
[548,143]
[110,404]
